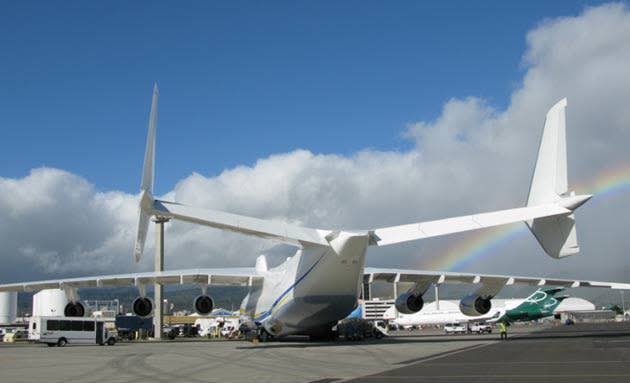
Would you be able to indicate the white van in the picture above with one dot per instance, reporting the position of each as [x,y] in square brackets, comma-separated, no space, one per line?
[11,335]
[59,331]
[454,328]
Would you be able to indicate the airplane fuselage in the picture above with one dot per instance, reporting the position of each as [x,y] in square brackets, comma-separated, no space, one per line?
[292,298]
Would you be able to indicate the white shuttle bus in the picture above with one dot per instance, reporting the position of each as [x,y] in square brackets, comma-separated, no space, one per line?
[59,331]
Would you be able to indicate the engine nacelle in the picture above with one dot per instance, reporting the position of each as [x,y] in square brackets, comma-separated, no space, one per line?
[74,309]
[203,305]
[474,305]
[142,307]
[409,303]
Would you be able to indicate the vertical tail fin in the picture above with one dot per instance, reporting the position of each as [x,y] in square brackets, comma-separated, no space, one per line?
[146,186]
[148,170]
[541,298]
[552,301]
[550,174]
[549,184]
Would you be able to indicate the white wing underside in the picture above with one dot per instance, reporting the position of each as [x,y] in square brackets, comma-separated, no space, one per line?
[247,276]
[238,276]
[438,277]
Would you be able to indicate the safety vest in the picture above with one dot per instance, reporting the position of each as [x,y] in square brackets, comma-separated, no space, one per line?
[502,327]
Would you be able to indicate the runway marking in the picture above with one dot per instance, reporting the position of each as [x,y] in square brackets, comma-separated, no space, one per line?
[415,377]
[542,362]
[442,354]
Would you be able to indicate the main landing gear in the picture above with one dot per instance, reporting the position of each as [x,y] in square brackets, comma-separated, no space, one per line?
[262,335]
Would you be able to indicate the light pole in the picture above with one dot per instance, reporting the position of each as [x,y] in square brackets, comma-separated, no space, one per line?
[158,322]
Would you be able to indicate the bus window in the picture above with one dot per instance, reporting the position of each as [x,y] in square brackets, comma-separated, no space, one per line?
[53,325]
[88,326]
[65,325]
[34,325]
[77,325]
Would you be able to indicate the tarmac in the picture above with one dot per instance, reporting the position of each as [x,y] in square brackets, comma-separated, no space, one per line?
[579,353]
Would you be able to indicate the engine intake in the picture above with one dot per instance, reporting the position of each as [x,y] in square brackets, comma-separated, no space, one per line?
[409,303]
[474,305]
[203,304]
[142,307]
[74,309]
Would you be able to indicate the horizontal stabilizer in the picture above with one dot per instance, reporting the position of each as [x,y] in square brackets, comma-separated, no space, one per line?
[404,233]
[278,231]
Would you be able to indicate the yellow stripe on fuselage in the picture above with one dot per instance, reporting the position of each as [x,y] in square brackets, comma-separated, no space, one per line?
[282,301]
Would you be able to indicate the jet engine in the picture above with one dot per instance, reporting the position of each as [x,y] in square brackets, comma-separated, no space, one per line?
[409,303]
[74,309]
[142,307]
[203,304]
[474,305]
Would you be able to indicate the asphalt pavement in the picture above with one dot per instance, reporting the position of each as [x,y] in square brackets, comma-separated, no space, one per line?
[579,353]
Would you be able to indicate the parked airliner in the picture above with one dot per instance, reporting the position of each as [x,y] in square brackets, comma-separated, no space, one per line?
[540,304]
[320,284]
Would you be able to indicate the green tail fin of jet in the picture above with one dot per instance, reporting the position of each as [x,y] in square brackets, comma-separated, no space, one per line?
[540,304]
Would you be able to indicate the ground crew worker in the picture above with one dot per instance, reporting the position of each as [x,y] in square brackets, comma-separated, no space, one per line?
[503,330]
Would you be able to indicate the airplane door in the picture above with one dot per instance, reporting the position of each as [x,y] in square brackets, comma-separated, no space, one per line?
[99,332]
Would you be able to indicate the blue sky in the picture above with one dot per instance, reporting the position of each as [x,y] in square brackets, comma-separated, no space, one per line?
[408,112]
[242,80]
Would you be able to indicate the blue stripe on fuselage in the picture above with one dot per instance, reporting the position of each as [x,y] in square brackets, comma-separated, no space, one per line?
[265,314]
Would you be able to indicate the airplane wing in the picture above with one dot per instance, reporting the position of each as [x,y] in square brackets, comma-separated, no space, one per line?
[240,276]
[441,277]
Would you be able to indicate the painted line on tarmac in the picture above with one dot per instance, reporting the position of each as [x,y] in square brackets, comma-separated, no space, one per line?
[378,377]
[414,378]
[442,354]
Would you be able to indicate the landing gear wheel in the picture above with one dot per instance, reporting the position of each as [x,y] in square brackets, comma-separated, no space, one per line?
[263,335]
[325,336]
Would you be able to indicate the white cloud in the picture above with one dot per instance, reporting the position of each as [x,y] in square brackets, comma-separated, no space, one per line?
[472,158]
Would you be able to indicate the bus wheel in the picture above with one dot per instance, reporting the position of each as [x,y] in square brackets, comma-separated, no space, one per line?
[62,342]
[111,341]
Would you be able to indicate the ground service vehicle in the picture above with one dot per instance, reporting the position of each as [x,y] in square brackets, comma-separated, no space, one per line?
[480,328]
[59,331]
[11,335]
[454,328]
[359,329]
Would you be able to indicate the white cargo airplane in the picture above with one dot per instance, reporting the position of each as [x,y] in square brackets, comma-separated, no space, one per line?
[320,284]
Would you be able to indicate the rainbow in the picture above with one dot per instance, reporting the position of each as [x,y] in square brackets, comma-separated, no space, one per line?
[486,242]
[609,183]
